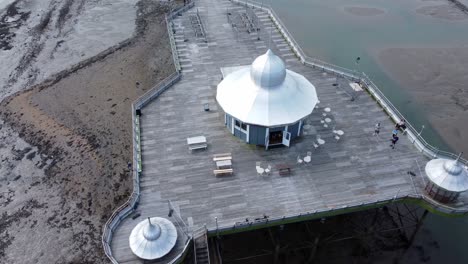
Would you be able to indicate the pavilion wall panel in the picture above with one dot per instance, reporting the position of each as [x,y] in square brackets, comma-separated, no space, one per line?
[257,135]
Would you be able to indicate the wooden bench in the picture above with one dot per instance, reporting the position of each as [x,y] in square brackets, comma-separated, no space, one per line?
[223,172]
[220,157]
[284,169]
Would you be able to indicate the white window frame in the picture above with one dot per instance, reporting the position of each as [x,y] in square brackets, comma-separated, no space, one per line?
[240,127]
[246,131]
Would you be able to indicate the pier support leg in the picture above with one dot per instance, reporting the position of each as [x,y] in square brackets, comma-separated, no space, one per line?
[418,226]
[315,244]
[314,250]
[413,236]
[276,244]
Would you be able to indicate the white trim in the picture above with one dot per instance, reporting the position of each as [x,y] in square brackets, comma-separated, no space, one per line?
[286,138]
[232,125]
[240,127]
[286,129]
[299,128]
[246,132]
[247,138]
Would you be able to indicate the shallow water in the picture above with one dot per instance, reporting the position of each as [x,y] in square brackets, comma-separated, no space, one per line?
[326,30]
[329,31]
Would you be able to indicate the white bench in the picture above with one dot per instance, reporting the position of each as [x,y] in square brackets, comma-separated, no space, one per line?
[223,172]
[198,142]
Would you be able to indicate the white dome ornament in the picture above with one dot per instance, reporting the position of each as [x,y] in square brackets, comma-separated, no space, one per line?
[153,238]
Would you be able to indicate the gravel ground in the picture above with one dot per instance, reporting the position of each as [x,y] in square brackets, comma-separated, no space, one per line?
[66,141]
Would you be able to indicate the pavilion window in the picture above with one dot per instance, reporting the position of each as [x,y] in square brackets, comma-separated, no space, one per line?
[240,125]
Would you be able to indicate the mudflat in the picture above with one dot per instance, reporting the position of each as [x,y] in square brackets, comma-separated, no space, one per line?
[364,11]
[445,11]
[79,122]
[436,78]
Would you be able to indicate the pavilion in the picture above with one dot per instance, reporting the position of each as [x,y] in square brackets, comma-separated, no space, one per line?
[264,103]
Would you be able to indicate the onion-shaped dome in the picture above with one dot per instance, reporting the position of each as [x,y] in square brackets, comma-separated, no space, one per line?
[266,93]
[153,238]
[268,70]
[447,174]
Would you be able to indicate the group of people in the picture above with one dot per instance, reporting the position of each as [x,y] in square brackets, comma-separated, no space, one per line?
[399,126]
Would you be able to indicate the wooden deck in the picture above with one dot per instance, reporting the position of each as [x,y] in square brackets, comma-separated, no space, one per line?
[359,168]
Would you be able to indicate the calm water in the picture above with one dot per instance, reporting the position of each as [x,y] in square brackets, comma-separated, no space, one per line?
[326,31]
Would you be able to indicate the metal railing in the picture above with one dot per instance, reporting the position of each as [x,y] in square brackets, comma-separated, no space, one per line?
[415,136]
[172,42]
[130,205]
[328,212]
[170,31]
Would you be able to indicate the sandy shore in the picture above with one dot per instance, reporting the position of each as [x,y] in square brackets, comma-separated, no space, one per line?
[436,78]
[56,196]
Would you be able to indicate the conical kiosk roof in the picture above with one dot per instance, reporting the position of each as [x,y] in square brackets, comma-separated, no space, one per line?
[153,238]
[447,174]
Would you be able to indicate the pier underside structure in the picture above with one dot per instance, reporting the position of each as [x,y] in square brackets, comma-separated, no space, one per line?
[383,234]
[353,172]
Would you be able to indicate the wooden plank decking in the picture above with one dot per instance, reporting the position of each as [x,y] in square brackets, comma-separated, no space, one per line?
[359,168]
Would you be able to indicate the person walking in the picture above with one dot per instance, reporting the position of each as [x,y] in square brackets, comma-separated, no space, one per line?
[394,140]
[376,129]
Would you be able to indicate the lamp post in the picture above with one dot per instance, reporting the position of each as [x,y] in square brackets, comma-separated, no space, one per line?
[419,134]
[422,128]
[358,59]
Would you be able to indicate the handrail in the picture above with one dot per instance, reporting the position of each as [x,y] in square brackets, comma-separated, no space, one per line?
[172,42]
[329,211]
[415,136]
[129,206]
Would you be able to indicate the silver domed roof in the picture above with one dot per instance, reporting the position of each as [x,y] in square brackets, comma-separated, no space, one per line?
[153,238]
[266,93]
[268,70]
[447,174]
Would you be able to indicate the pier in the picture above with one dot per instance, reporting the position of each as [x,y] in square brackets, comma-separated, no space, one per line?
[354,172]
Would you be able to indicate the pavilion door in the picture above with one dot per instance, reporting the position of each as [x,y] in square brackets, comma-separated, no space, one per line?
[286,138]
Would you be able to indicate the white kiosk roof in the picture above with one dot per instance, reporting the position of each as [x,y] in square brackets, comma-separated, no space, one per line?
[266,93]
[153,238]
[447,174]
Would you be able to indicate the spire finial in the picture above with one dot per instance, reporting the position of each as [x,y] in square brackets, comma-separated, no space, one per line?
[459,155]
